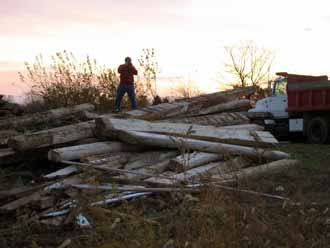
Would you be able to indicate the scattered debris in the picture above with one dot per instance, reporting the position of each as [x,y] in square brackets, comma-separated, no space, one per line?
[171,147]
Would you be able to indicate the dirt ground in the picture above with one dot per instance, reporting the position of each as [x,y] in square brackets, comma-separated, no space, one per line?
[213,218]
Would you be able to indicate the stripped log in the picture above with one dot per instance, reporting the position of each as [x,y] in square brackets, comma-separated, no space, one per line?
[81,151]
[185,176]
[224,107]
[67,171]
[261,170]
[166,141]
[188,161]
[218,120]
[54,136]
[37,118]
[107,127]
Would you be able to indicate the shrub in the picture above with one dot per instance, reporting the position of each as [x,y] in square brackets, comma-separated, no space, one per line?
[66,82]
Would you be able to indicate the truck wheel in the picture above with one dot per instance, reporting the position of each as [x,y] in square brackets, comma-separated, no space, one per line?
[317,131]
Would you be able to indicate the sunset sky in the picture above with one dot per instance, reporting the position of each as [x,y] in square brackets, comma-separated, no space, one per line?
[188,35]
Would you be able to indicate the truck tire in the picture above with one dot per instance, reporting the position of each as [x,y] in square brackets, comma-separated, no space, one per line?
[318,130]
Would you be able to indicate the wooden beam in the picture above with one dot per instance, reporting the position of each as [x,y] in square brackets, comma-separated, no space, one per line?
[81,151]
[108,127]
[167,141]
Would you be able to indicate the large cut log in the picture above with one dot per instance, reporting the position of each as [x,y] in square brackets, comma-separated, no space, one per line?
[81,151]
[188,161]
[167,141]
[192,105]
[218,120]
[224,107]
[54,136]
[107,127]
[261,170]
[37,118]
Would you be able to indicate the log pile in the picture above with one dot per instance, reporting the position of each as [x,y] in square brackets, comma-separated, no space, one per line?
[181,146]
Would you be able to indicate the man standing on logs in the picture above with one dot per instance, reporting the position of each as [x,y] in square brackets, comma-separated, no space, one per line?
[127,72]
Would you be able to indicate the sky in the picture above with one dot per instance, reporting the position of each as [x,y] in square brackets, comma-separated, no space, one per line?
[188,35]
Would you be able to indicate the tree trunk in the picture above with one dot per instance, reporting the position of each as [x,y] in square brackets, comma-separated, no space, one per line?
[166,141]
[107,127]
[81,151]
[37,118]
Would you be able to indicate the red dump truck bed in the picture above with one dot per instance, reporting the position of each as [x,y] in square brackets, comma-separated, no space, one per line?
[307,93]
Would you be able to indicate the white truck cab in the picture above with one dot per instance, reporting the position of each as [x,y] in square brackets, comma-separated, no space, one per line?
[277,102]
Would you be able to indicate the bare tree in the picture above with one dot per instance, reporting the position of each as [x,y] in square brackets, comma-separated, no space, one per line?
[149,67]
[249,64]
[186,88]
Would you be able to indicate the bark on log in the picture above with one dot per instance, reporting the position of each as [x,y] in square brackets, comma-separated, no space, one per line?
[261,170]
[37,118]
[81,151]
[107,127]
[166,141]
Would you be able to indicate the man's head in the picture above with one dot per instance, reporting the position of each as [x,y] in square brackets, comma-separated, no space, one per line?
[128,60]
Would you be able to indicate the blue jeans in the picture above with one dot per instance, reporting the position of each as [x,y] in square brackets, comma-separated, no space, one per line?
[122,89]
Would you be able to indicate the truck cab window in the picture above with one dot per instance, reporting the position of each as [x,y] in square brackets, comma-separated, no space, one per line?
[280,87]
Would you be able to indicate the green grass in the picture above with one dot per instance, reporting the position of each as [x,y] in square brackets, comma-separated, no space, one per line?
[312,156]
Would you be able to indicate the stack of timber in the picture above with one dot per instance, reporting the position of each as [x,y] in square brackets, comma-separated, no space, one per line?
[181,146]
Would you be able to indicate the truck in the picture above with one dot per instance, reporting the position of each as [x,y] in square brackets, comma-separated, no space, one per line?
[297,105]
